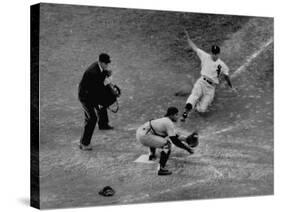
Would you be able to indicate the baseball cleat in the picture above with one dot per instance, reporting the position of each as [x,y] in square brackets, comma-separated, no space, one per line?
[152,157]
[163,172]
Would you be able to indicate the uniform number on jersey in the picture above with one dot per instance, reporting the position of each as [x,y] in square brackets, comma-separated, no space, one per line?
[218,71]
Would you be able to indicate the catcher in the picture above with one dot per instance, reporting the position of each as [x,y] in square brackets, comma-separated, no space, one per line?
[160,133]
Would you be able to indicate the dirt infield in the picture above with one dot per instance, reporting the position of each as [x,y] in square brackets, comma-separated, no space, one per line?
[150,62]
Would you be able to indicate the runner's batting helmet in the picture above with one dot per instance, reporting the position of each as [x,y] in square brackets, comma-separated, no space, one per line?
[215,49]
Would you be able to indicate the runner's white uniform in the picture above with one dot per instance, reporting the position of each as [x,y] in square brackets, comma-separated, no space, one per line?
[203,91]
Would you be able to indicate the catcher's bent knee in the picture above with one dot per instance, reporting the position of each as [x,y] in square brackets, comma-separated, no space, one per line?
[167,147]
[152,141]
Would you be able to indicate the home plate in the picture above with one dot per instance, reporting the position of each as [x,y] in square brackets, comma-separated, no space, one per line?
[143,159]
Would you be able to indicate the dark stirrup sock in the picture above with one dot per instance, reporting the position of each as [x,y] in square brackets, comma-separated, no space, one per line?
[188,107]
[152,150]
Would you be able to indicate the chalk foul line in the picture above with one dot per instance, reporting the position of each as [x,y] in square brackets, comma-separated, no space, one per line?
[251,58]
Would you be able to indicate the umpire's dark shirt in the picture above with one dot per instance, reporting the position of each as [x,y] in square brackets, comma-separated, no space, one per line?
[91,87]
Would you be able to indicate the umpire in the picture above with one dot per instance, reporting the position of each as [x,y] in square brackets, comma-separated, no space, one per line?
[91,91]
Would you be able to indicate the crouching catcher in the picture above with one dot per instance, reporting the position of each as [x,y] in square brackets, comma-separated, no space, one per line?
[160,133]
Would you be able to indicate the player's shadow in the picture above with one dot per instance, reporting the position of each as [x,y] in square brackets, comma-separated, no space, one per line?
[181,94]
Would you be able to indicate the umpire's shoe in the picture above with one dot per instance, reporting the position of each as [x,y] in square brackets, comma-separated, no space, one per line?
[85,148]
[163,172]
[106,127]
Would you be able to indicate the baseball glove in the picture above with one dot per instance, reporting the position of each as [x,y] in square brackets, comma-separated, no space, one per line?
[192,140]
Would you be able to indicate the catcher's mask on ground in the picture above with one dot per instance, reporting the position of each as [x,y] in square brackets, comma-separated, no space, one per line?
[107,191]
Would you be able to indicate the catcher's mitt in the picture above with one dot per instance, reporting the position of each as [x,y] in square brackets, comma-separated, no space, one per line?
[192,140]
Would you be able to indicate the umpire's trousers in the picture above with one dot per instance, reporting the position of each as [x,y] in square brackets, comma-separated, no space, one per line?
[92,113]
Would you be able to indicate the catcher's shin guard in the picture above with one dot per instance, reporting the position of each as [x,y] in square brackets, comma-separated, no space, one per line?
[164,155]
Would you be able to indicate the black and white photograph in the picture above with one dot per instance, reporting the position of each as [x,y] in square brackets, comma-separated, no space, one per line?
[140,106]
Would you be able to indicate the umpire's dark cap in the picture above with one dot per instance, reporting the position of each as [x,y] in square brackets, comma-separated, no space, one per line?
[104,58]
[215,49]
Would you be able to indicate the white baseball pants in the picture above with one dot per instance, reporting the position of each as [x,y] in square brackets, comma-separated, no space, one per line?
[202,95]
[148,139]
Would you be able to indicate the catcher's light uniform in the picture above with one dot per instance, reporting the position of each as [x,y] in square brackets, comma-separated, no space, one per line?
[155,136]
[203,91]
[157,132]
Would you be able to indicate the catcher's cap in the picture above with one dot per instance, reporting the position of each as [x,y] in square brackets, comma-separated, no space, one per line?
[104,58]
[171,111]
[215,49]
